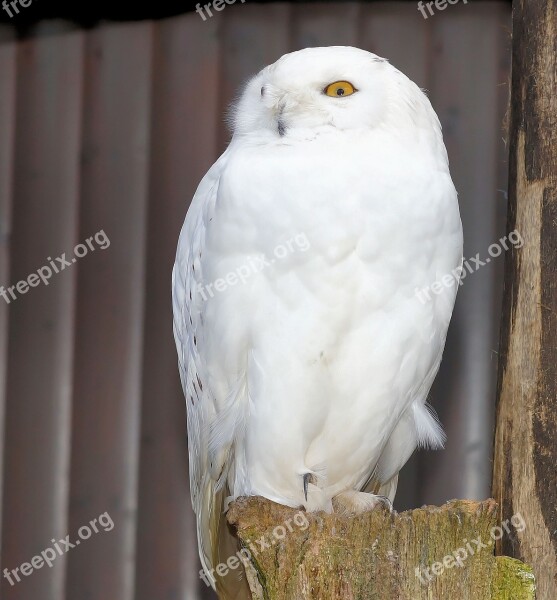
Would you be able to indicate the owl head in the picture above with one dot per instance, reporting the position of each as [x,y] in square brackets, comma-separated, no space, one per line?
[319,90]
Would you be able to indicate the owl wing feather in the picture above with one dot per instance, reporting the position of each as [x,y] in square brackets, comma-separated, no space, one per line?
[187,276]
[210,427]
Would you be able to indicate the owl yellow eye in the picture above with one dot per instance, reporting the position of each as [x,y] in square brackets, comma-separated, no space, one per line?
[338,89]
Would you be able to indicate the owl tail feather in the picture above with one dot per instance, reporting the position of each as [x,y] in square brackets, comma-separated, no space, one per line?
[223,545]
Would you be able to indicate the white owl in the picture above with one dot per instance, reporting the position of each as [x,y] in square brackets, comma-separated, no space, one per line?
[306,366]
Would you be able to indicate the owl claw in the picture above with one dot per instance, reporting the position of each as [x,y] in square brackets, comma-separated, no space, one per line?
[351,502]
[307,479]
[386,502]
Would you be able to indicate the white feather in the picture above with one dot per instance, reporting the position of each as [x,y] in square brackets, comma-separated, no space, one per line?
[320,361]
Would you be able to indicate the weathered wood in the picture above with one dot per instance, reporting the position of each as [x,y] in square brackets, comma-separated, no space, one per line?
[183,145]
[525,477]
[432,552]
[110,309]
[7,126]
[48,101]
[326,24]
[467,62]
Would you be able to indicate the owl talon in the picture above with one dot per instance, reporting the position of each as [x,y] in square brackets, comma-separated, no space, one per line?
[357,503]
[307,481]
[386,503]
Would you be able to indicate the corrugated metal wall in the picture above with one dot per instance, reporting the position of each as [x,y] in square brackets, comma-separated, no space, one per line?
[111,129]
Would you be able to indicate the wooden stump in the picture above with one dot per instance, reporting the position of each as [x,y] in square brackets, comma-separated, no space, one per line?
[525,453]
[432,553]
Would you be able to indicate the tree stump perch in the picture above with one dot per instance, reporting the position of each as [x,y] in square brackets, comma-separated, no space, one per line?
[431,553]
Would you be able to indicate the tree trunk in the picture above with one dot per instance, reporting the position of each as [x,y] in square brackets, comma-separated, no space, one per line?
[441,553]
[525,473]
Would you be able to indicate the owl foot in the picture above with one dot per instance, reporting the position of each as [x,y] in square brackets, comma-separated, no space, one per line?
[308,478]
[357,503]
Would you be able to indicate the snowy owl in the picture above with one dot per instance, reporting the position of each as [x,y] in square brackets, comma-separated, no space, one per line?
[305,352]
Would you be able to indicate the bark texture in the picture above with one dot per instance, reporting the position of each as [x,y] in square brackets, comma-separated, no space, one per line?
[525,473]
[433,552]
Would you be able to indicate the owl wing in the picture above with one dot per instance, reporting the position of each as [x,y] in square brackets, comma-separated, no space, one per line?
[187,276]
